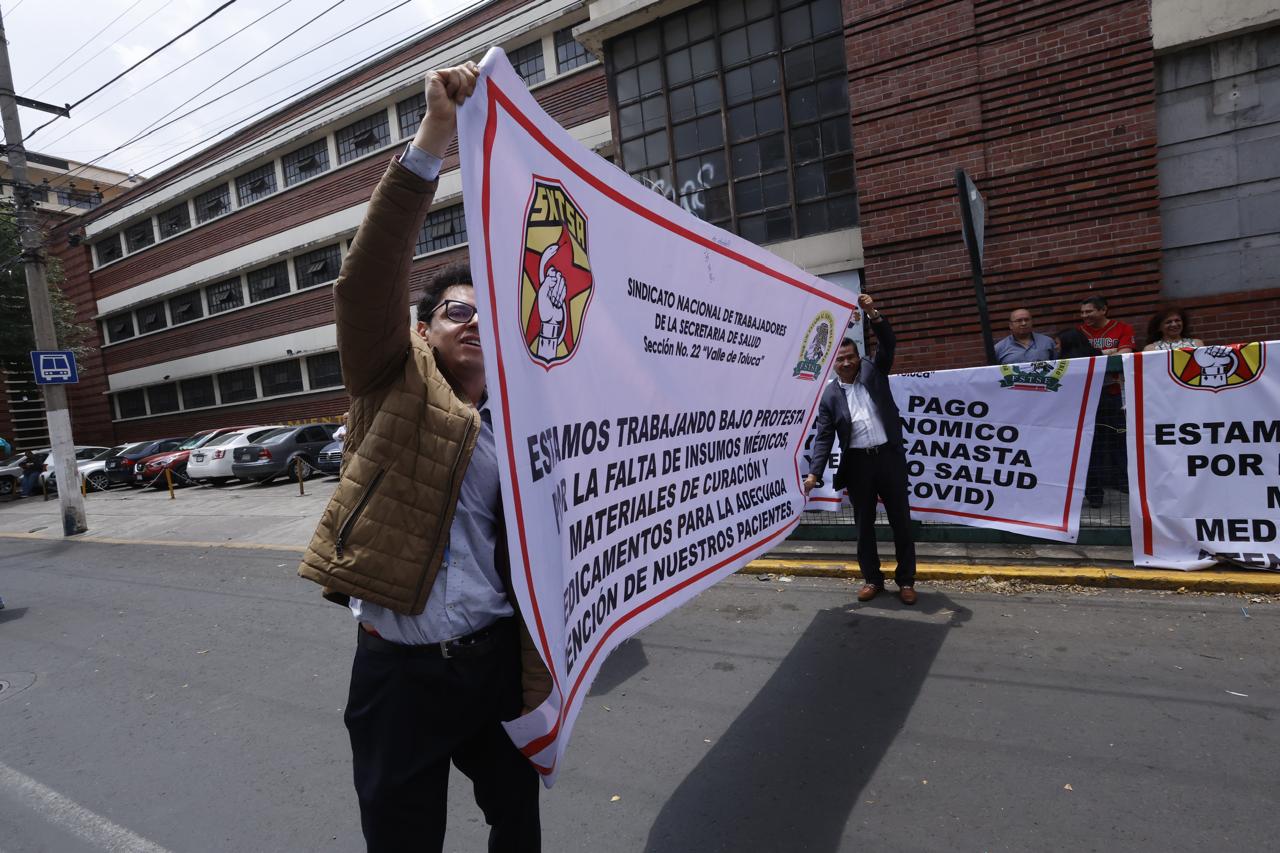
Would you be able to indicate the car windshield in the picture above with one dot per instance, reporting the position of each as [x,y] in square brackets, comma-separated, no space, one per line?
[194,442]
[221,439]
[135,449]
[277,435]
[262,435]
[110,451]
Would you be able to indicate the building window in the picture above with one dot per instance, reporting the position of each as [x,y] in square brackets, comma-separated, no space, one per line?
[259,183]
[83,199]
[325,370]
[132,404]
[569,54]
[151,318]
[108,250]
[197,393]
[409,112]
[527,61]
[715,115]
[174,220]
[213,203]
[237,386]
[163,398]
[281,377]
[119,327]
[186,307]
[317,267]
[306,161]
[139,235]
[444,228]
[268,282]
[368,134]
[225,295]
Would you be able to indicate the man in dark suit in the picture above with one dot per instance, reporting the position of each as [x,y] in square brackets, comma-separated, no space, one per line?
[859,410]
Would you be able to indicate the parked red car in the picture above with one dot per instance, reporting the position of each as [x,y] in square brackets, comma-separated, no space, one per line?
[150,470]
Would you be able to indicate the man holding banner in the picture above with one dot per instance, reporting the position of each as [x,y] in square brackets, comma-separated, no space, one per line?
[859,409]
[414,539]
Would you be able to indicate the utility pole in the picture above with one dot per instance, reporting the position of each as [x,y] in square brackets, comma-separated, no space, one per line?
[70,501]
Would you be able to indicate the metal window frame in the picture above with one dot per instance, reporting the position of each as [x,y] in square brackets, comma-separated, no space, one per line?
[262,377]
[253,381]
[256,184]
[292,163]
[580,56]
[526,54]
[311,372]
[455,217]
[348,136]
[220,194]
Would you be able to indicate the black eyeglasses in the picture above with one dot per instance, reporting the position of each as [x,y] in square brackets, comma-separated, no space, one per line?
[457,312]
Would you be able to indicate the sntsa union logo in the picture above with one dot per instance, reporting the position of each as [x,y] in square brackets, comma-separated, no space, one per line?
[555,276]
[1217,368]
[815,346]
[1033,376]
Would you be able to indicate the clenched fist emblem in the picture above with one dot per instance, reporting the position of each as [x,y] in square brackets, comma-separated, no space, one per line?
[1217,364]
[552,290]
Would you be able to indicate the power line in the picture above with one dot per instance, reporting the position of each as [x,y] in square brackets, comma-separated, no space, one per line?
[240,123]
[174,70]
[161,48]
[86,43]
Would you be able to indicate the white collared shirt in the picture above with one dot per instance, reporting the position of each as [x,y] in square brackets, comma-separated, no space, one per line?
[867,430]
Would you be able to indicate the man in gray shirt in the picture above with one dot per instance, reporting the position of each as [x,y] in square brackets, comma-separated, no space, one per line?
[1024,344]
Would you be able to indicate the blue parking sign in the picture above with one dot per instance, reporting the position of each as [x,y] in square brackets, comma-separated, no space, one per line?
[57,367]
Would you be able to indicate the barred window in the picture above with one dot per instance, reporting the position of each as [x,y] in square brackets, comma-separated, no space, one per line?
[410,112]
[174,220]
[268,282]
[569,54]
[738,111]
[259,183]
[198,393]
[527,61]
[306,161]
[185,307]
[368,134]
[281,377]
[225,295]
[151,318]
[131,404]
[213,203]
[119,327]
[139,235]
[108,250]
[444,228]
[324,370]
[317,267]
[163,398]
[83,199]
[237,385]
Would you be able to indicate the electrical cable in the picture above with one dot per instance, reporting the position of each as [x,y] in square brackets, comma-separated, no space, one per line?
[135,65]
[302,93]
[87,42]
[173,70]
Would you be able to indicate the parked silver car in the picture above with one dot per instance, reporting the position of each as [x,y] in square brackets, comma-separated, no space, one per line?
[279,452]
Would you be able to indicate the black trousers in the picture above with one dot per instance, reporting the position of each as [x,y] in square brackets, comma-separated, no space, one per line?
[1109,460]
[884,475]
[409,717]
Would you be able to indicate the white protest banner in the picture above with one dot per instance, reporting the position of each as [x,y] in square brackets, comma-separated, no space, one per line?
[650,379]
[1204,456]
[1003,447]
[823,498]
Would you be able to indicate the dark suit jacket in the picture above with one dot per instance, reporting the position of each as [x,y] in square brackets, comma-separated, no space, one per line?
[833,411]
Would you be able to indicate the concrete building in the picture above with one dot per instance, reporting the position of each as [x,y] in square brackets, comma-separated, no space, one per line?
[828,131]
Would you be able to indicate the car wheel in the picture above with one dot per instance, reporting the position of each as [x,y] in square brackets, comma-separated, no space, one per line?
[308,470]
[7,485]
[98,482]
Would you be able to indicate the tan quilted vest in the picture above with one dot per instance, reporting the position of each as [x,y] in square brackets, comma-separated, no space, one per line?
[382,536]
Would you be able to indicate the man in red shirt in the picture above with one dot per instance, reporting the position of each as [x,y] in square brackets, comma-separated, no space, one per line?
[1109,464]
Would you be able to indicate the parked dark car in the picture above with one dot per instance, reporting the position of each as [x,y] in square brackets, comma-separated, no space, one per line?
[277,453]
[330,459]
[120,468]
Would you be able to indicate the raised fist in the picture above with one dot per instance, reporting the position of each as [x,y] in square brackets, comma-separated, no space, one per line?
[551,296]
[1216,365]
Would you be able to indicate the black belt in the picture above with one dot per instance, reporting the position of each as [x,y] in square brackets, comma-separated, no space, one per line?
[472,645]
[870,451]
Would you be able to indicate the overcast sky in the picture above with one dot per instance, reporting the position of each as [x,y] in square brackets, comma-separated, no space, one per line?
[57,58]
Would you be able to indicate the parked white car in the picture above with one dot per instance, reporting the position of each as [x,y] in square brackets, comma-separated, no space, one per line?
[93,470]
[212,462]
[84,455]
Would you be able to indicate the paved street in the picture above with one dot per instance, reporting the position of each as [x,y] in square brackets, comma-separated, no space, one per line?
[192,697]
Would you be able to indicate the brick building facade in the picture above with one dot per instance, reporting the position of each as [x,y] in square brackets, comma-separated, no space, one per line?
[828,131]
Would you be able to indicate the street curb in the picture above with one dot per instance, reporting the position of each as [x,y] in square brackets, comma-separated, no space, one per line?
[1198,581]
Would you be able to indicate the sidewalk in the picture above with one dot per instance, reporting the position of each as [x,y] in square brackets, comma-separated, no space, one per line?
[275,517]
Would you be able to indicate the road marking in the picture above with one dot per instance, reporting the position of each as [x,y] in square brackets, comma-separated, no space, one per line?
[244,546]
[70,815]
